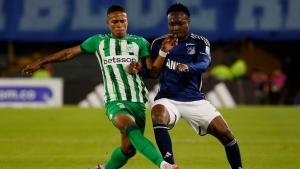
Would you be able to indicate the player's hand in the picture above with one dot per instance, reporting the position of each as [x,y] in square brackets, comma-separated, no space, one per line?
[135,67]
[168,44]
[182,68]
[29,69]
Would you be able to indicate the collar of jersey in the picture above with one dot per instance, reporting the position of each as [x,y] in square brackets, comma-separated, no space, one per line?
[110,35]
[186,39]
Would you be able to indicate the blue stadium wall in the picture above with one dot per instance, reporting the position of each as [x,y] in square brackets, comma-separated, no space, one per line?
[217,20]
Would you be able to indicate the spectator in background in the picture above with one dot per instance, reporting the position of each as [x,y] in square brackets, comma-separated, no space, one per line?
[295,100]
[222,72]
[261,88]
[45,71]
[239,69]
[277,81]
[48,67]
[290,67]
[42,73]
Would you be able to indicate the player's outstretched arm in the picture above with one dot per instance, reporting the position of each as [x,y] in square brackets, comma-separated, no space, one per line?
[62,56]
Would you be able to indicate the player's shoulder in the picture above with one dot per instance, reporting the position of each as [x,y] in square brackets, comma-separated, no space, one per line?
[137,39]
[134,37]
[200,39]
[105,36]
[159,39]
[100,36]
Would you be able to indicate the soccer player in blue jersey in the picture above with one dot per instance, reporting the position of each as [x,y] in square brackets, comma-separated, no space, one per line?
[180,93]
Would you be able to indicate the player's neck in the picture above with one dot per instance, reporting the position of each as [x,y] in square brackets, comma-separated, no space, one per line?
[119,38]
[184,38]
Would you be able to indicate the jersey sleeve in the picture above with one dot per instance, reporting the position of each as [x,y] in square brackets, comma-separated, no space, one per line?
[203,58]
[145,51]
[90,45]
[144,72]
[203,49]
[154,50]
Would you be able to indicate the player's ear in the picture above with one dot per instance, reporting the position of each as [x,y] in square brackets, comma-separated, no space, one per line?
[107,22]
[189,21]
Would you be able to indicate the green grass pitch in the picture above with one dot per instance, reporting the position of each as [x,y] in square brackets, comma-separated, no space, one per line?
[73,138]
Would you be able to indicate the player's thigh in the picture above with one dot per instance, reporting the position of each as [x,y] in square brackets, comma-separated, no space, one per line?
[172,110]
[199,114]
[136,112]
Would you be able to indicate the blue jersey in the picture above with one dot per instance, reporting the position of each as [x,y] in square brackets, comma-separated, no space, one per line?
[194,52]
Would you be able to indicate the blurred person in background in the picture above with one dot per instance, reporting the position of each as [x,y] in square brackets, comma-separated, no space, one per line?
[295,100]
[261,88]
[222,72]
[290,67]
[125,94]
[180,93]
[238,69]
[277,82]
[45,71]
[42,73]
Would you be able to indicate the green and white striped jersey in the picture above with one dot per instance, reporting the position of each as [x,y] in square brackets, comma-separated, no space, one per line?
[114,57]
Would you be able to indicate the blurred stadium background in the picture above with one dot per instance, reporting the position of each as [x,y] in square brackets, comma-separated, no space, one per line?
[255,53]
[249,39]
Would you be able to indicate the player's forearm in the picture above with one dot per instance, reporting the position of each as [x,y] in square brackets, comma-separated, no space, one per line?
[61,56]
[145,73]
[198,67]
[157,66]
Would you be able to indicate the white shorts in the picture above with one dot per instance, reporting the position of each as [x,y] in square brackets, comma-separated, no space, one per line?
[198,114]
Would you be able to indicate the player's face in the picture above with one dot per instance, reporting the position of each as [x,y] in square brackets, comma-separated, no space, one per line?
[179,24]
[118,22]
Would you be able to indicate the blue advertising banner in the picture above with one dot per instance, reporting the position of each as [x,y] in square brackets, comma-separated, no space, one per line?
[217,20]
[27,92]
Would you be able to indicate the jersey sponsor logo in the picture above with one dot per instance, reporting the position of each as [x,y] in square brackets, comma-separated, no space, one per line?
[171,64]
[119,59]
[187,44]
[191,50]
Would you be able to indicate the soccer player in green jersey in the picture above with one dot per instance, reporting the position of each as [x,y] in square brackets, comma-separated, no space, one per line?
[125,93]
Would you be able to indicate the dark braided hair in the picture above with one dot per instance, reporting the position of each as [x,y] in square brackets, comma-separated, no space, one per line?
[116,7]
[178,7]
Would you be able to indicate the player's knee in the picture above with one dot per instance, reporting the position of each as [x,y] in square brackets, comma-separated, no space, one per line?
[159,117]
[226,135]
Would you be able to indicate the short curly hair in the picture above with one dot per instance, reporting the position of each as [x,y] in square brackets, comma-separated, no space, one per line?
[179,7]
[116,7]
